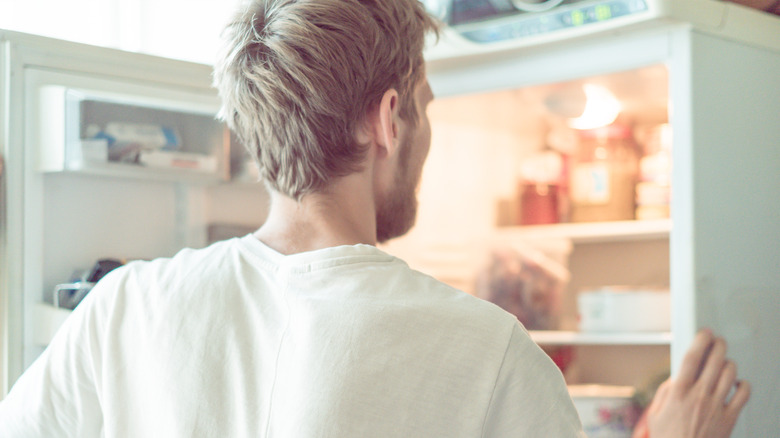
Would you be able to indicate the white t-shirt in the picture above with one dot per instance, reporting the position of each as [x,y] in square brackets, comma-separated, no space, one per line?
[237,340]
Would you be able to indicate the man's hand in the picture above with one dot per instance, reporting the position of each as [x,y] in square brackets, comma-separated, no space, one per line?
[696,404]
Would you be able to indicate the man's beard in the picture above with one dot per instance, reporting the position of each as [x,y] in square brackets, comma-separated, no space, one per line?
[397,211]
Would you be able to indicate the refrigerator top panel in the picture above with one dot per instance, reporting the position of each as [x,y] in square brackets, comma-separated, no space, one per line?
[488,21]
[485,26]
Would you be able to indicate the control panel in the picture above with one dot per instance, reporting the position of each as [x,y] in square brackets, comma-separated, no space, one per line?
[521,24]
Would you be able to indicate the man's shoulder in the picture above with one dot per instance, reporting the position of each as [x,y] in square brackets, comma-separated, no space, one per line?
[189,260]
[448,299]
[186,270]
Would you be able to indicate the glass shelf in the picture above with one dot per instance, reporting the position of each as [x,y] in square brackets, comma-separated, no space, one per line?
[553,337]
[133,171]
[593,232]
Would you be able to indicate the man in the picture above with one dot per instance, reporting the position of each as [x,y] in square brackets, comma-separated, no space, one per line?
[304,328]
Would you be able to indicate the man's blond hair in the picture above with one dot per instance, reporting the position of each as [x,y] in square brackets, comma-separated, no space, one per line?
[297,77]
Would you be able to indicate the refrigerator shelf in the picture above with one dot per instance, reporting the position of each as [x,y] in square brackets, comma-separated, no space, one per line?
[553,337]
[132,171]
[100,126]
[593,232]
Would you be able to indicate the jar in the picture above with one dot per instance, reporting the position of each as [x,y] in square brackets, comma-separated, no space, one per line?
[539,203]
[603,175]
[541,188]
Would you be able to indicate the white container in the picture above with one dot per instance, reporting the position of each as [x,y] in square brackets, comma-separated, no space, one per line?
[605,411]
[82,153]
[624,310]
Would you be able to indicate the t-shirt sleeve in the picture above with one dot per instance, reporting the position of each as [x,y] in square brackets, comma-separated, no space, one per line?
[530,398]
[58,394]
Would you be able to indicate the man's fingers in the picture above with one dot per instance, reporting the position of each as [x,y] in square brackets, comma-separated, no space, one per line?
[739,399]
[660,396]
[713,366]
[692,362]
[726,381]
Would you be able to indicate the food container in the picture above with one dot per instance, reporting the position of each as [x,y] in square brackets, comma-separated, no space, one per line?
[603,175]
[525,282]
[541,188]
[539,204]
[622,309]
[605,411]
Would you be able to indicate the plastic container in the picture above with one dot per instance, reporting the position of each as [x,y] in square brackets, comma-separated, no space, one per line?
[604,175]
[622,309]
[525,282]
[605,411]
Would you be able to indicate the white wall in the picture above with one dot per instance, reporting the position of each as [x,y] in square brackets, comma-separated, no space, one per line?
[181,29]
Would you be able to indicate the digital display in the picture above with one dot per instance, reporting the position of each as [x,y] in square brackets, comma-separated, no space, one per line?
[577,18]
[603,12]
[567,15]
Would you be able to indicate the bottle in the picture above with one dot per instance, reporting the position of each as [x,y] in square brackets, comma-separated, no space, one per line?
[603,175]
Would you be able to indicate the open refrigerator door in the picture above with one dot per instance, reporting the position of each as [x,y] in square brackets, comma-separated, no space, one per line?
[632,196]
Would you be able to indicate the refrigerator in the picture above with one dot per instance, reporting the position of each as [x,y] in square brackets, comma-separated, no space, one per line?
[699,77]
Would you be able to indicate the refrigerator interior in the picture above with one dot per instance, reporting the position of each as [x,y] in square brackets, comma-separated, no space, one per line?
[469,201]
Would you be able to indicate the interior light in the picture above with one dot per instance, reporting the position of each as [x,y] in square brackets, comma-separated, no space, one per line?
[601,108]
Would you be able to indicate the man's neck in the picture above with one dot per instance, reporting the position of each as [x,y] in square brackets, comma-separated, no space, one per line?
[342,216]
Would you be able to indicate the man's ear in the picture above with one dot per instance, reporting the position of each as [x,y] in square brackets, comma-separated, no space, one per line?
[386,125]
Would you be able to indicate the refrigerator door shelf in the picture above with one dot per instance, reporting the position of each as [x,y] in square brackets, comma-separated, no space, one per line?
[74,114]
